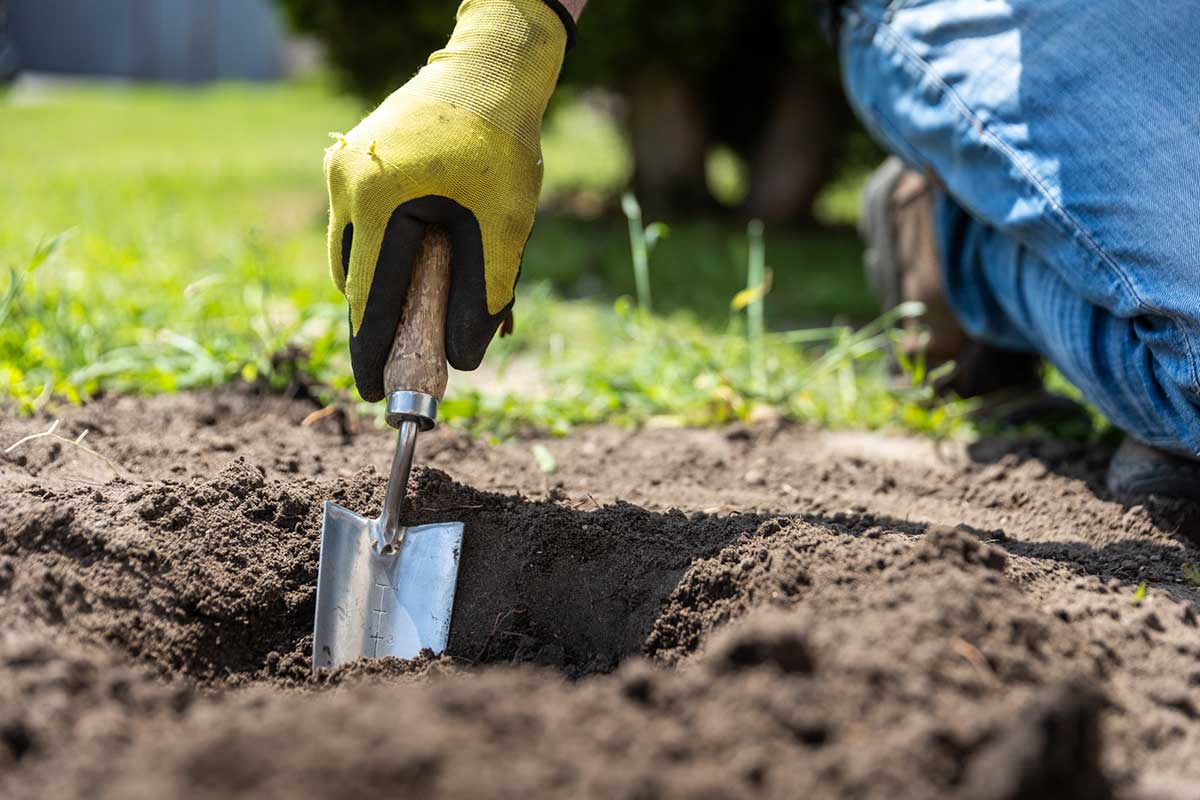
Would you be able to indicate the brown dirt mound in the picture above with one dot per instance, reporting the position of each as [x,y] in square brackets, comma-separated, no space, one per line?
[196,579]
[157,626]
[214,578]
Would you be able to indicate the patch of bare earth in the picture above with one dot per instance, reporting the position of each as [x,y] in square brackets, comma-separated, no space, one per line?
[769,612]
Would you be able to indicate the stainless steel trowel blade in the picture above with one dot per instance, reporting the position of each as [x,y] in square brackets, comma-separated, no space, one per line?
[376,605]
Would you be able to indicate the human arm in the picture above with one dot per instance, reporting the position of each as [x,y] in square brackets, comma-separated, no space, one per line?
[574,7]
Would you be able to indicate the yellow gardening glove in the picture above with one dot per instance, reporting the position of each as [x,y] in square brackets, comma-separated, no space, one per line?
[458,145]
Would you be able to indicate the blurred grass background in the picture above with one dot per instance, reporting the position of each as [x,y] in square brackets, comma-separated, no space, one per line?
[154,239]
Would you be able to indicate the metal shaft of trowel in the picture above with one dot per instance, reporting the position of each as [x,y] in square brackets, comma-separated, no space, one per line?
[397,486]
[410,413]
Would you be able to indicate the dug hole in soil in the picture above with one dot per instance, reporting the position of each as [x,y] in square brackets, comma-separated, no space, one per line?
[770,612]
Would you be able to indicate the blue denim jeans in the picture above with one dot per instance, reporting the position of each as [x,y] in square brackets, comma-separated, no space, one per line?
[1066,138]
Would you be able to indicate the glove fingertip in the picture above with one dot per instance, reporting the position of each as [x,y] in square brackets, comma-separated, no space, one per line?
[369,385]
[469,332]
[470,327]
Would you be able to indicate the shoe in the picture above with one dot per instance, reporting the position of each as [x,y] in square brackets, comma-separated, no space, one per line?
[902,264]
[1138,469]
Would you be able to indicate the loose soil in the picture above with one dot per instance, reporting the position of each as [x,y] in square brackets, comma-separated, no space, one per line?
[749,612]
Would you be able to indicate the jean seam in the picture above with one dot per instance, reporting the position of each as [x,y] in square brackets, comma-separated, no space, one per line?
[1065,218]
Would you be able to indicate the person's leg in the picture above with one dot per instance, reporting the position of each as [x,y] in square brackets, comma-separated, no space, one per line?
[1004,294]
[1065,137]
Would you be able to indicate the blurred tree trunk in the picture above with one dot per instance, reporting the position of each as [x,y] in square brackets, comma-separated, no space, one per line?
[669,137]
[797,152]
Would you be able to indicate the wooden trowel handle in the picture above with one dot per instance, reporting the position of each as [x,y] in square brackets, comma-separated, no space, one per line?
[417,362]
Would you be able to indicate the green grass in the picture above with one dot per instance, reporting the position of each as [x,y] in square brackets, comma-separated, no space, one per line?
[156,239]
[193,236]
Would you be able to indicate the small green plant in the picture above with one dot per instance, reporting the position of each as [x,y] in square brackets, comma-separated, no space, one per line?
[1190,572]
[641,242]
[1139,595]
[545,459]
[752,298]
[17,278]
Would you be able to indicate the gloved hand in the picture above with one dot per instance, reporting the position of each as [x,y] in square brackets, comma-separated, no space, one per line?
[458,145]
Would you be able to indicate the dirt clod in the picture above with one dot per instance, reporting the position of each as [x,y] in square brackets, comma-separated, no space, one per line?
[769,641]
[1052,751]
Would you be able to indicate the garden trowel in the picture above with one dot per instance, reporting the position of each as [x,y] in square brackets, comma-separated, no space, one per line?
[382,589]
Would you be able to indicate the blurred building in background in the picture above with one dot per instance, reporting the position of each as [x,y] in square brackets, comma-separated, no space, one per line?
[173,40]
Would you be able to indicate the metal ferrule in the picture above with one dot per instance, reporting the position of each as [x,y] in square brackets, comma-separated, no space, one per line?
[418,407]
